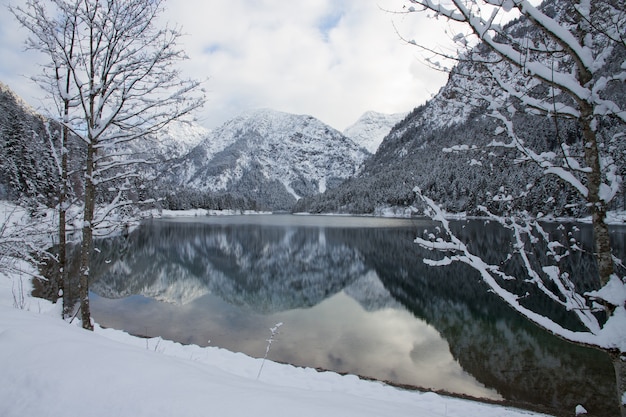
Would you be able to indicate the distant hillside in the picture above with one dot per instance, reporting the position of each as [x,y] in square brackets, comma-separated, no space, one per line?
[424,150]
[29,151]
[264,160]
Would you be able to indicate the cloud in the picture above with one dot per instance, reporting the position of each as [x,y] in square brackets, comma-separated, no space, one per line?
[18,65]
[332,59]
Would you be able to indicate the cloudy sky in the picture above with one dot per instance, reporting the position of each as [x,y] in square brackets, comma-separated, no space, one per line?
[332,59]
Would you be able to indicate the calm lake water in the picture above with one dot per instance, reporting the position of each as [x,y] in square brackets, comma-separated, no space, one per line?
[354,296]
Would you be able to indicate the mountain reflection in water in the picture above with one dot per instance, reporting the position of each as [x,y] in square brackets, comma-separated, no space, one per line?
[354,296]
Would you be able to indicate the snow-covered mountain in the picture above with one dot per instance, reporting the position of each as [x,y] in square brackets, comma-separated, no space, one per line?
[270,157]
[179,137]
[263,159]
[371,128]
[421,150]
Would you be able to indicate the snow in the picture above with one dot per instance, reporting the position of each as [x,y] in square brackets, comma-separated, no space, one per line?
[201,212]
[457,148]
[179,137]
[371,128]
[51,367]
[394,212]
[322,185]
[613,292]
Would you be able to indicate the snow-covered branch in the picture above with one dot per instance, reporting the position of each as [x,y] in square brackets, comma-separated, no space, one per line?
[548,279]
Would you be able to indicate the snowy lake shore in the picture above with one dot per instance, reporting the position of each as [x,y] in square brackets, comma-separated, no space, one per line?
[50,367]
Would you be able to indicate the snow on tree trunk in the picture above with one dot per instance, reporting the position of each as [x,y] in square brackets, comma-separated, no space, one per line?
[64,187]
[597,204]
[62,262]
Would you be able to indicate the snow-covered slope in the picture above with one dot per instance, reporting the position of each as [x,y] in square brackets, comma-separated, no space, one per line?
[28,169]
[179,137]
[130,376]
[272,157]
[421,149]
[371,128]
[5,90]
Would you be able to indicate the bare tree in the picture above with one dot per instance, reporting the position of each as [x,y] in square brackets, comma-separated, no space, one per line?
[565,60]
[59,87]
[113,76]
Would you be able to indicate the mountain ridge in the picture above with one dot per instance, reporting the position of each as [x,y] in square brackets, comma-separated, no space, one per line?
[262,159]
[269,157]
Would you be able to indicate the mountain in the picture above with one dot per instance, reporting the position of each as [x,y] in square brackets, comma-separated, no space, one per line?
[263,159]
[371,128]
[179,137]
[267,158]
[423,150]
[29,146]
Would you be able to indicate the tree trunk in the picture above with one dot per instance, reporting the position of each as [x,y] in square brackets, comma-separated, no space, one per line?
[62,282]
[602,243]
[60,287]
[63,267]
[87,244]
[619,363]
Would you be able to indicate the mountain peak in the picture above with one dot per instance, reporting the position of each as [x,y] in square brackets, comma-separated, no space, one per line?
[265,121]
[371,128]
[180,136]
[8,92]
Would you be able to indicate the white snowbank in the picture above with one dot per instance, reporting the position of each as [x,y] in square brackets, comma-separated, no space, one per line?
[613,217]
[202,212]
[51,368]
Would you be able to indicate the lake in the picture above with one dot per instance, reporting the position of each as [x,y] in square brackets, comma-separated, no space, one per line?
[354,296]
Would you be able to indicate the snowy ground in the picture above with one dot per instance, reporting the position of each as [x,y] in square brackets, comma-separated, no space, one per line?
[49,367]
